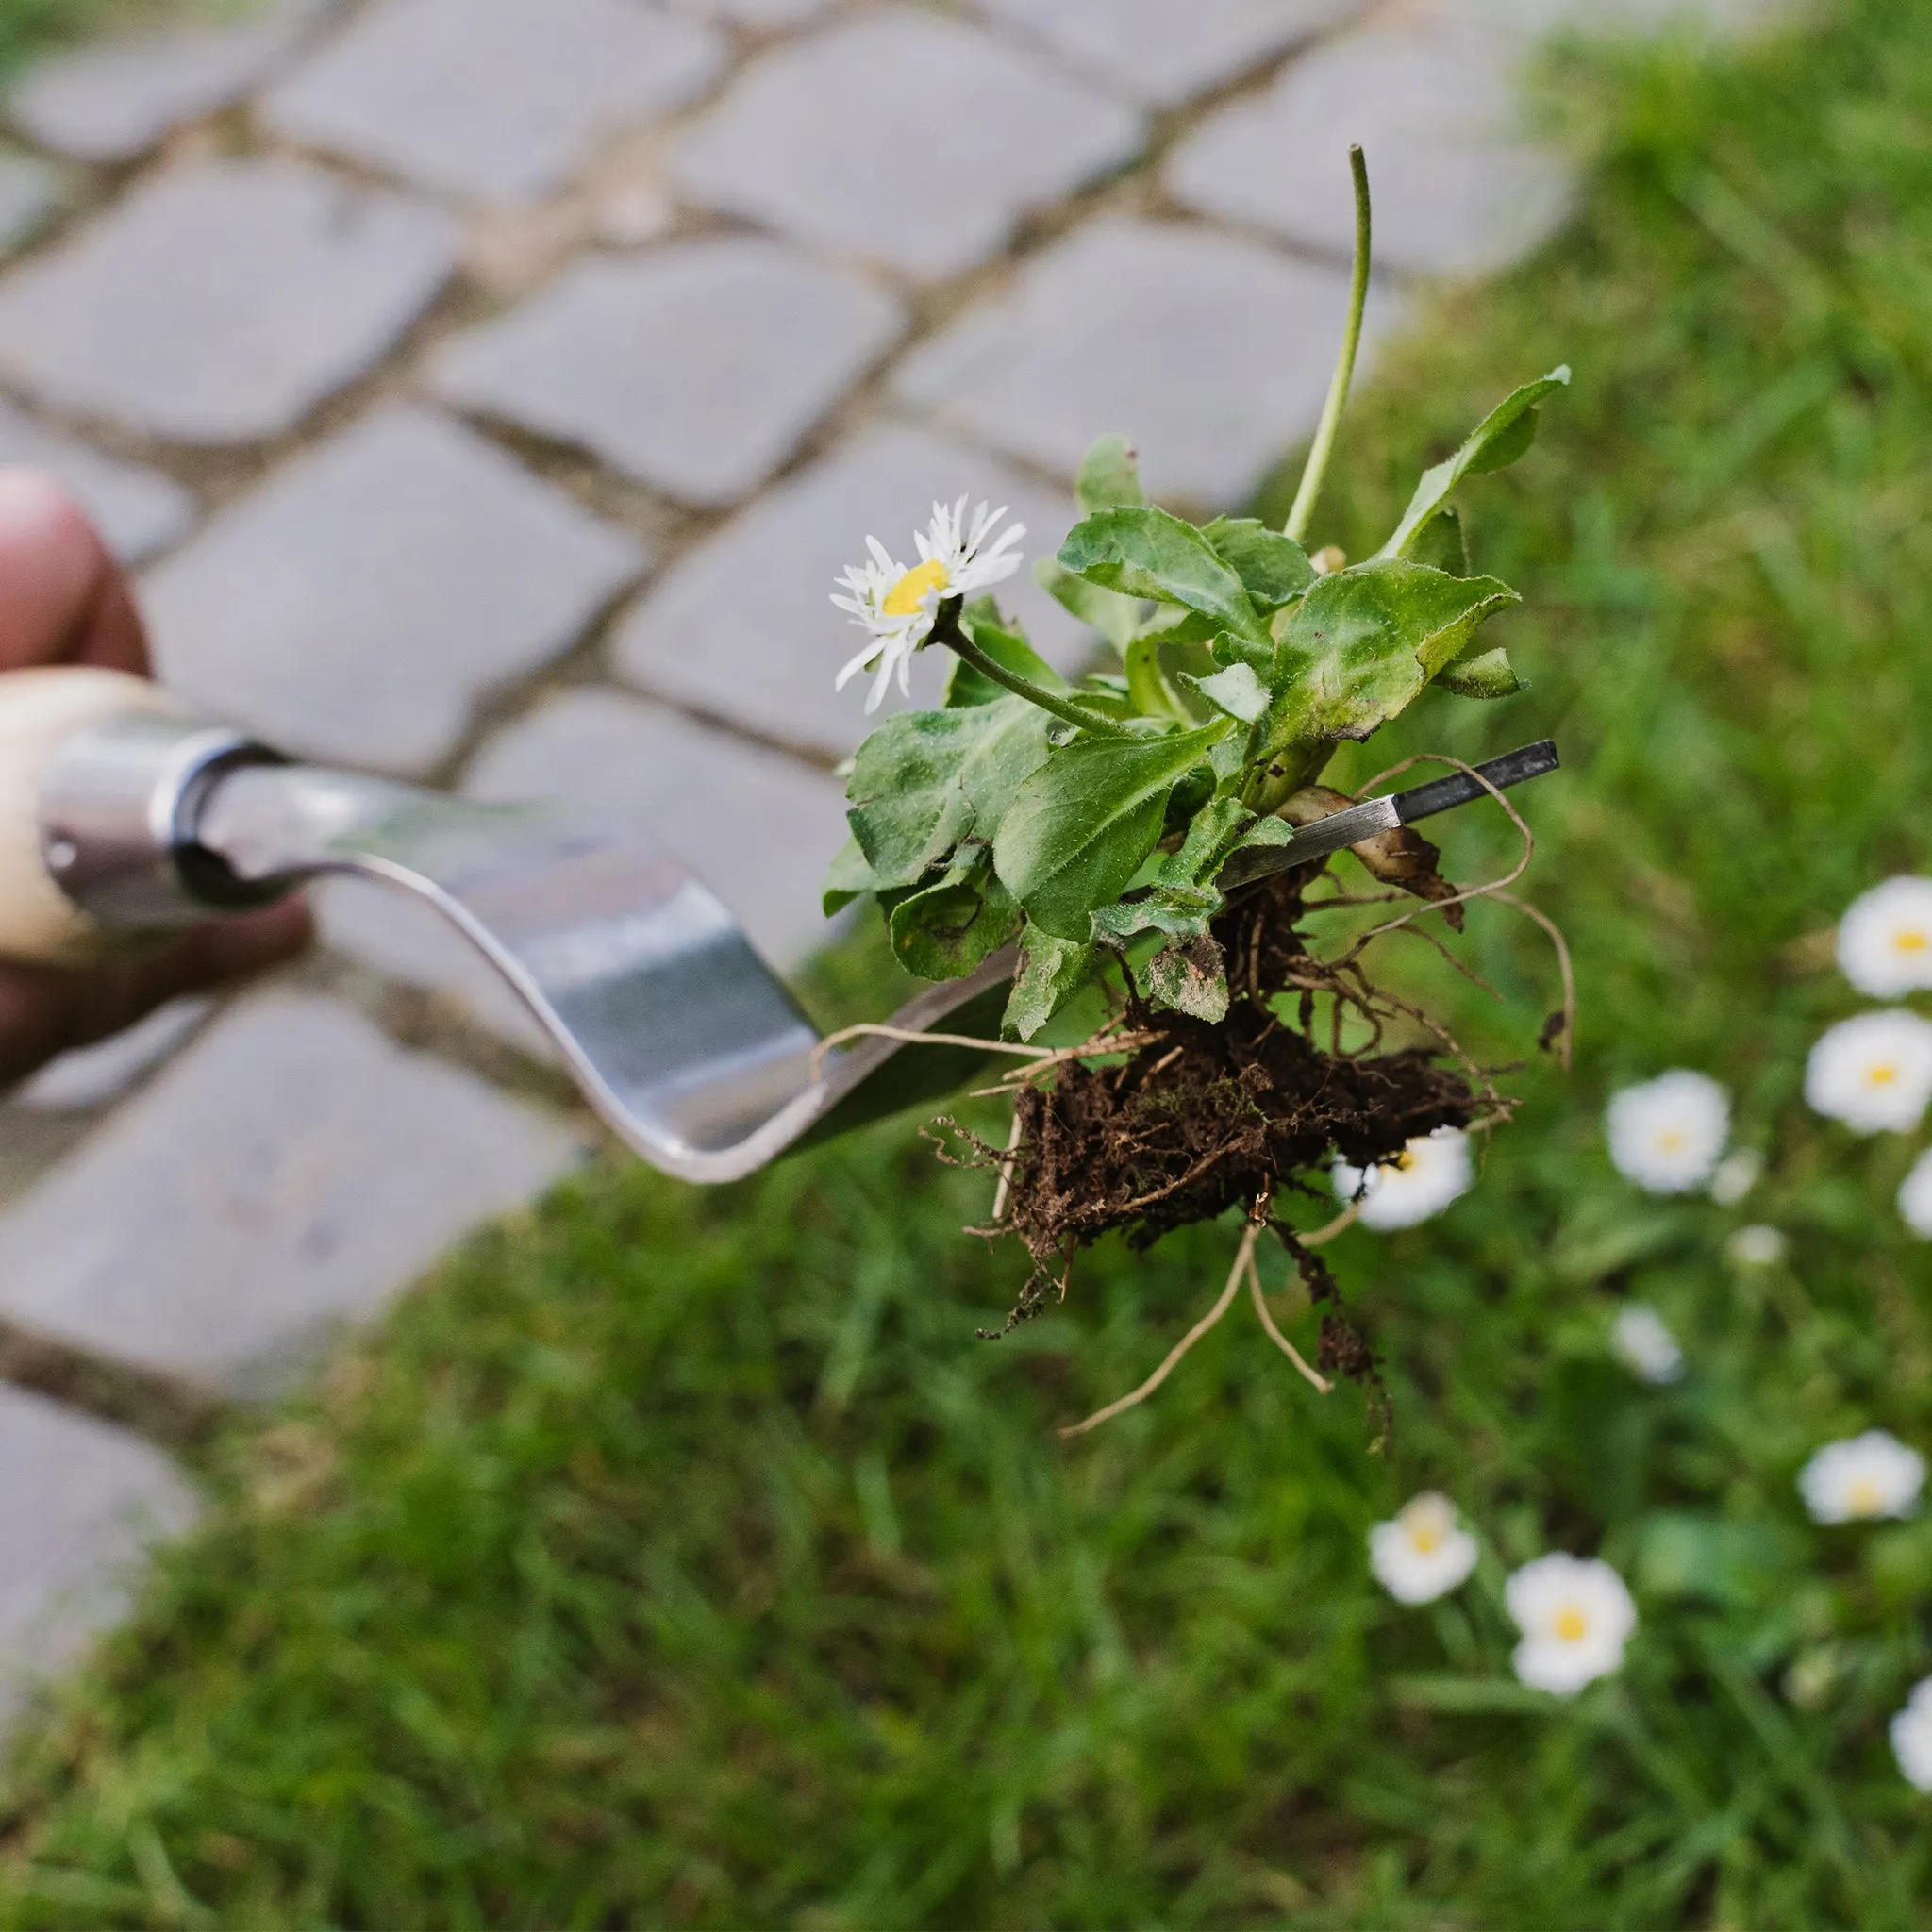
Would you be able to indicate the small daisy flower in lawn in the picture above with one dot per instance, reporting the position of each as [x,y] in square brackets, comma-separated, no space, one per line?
[1863,1477]
[1885,939]
[1666,1134]
[1423,1552]
[1873,1072]
[896,607]
[1911,1736]
[1915,1196]
[1755,1246]
[1645,1346]
[1735,1176]
[1576,1618]
[1430,1172]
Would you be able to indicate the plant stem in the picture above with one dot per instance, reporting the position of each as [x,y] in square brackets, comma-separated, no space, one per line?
[1324,444]
[946,630]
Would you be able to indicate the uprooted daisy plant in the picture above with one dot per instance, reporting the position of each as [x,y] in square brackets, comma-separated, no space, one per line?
[1107,853]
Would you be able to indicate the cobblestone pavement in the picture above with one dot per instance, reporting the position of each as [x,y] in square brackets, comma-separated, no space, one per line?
[491,389]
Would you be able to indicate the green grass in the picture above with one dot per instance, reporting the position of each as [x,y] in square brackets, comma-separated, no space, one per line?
[680,1557]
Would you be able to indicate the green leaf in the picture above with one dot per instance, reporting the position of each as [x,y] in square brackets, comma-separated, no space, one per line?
[924,781]
[1238,690]
[1079,826]
[1115,616]
[1006,646]
[1360,646]
[1498,440]
[1440,543]
[946,931]
[1145,552]
[1275,569]
[1051,972]
[848,877]
[1190,975]
[1488,675]
[1109,478]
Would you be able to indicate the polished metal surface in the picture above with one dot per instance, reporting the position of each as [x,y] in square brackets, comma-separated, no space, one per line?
[678,1034]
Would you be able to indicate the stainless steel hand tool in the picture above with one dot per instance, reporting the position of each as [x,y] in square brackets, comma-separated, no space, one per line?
[123,816]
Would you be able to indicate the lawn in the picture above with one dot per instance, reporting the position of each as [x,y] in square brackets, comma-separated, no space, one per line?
[681,1558]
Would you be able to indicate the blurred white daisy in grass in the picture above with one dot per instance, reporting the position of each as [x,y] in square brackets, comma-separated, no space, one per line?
[1735,1176]
[1430,1173]
[1755,1246]
[1423,1552]
[1863,1477]
[1885,939]
[1873,1072]
[1576,1617]
[1666,1134]
[1644,1344]
[1915,1196]
[1911,1736]
[896,607]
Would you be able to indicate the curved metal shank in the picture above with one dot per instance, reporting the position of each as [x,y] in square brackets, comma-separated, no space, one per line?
[680,1036]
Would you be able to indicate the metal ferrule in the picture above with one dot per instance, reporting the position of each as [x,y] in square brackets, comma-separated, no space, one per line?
[118,809]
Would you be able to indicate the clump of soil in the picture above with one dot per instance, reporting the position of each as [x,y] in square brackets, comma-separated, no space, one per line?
[1203,1117]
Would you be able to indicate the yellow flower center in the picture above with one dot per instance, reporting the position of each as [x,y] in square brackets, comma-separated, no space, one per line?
[1862,1498]
[1670,1142]
[1573,1627]
[1883,1074]
[1402,1163]
[1427,1537]
[912,589]
[1911,941]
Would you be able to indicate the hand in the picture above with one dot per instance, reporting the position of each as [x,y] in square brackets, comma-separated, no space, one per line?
[63,600]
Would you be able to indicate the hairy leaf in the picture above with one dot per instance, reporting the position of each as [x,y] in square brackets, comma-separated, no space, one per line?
[848,877]
[946,931]
[1498,440]
[1079,826]
[1143,552]
[1360,646]
[1440,544]
[1238,690]
[1274,569]
[924,781]
[1190,975]
[1488,675]
[1115,616]
[1110,476]
[1051,972]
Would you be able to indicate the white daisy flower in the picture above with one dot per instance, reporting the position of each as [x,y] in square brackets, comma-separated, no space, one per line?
[1915,1196]
[1423,1552]
[1874,1071]
[896,607]
[1911,1736]
[1576,1618]
[1666,1134]
[1430,1173]
[1865,1476]
[1641,1341]
[1735,1176]
[1885,939]
[1755,1246]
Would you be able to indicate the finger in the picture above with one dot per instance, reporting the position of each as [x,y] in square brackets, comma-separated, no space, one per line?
[63,599]
[44,1012]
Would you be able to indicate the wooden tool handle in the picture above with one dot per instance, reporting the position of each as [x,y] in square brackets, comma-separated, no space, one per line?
[40,709]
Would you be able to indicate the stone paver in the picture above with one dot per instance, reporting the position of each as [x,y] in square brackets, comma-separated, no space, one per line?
[495,99]
[1165,52]
[89,1077]
[903,138]
[81,1502]
[137,509]
[1458,190]
[757,827]
[743,627]
[1211,352]
[697,368]
[760,16]
[291,1170]
[30,191]
[219,302]
[357,604]
[112,101]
